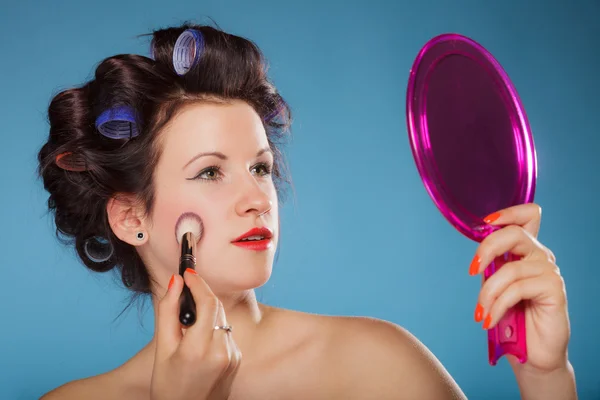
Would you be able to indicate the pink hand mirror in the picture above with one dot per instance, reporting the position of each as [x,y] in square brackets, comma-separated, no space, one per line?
[474,151]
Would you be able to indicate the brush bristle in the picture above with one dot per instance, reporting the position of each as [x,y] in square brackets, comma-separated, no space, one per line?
[188,222]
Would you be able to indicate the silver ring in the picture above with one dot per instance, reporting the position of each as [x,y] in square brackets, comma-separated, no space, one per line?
[227,328]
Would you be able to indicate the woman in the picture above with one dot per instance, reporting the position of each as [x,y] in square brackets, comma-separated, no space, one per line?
[203,135]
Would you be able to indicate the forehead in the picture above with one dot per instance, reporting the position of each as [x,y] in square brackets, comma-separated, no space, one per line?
[231,128]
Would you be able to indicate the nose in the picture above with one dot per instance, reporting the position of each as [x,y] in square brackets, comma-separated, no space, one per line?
[253,199]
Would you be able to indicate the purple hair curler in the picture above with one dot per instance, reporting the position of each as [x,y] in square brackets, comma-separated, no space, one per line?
[474,151]
[275,111]
[187,51]
[118,123]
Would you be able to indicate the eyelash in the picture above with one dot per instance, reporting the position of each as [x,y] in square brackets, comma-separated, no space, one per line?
[215,168]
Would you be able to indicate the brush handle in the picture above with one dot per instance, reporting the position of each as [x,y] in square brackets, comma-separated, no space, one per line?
[187,305]
[508,336]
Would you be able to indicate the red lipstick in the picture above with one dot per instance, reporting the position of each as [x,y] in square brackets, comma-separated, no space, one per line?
[257,239]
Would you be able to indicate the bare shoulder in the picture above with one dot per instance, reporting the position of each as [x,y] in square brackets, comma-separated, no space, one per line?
[368,358]
[379,359]
[88,388]
[126,381]
[104,386]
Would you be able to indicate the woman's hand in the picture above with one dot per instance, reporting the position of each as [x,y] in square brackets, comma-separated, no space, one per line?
[534,278]
[200,363]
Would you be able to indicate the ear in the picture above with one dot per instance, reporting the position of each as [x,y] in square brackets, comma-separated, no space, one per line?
[126,219]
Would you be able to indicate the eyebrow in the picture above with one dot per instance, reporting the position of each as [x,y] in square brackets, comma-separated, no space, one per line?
[222,156]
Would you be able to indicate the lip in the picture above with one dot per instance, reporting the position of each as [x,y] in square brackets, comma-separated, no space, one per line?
[266,232]
[257,245]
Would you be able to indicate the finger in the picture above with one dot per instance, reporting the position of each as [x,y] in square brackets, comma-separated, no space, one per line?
[168,331]
[222,345]
[538,289]
[511,272]
[236,359]
[221,318]
[207,307]
[235,355]
[221,334]
[230,375]
[528,216]
[513,239]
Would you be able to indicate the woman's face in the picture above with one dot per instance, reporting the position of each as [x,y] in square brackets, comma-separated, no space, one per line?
[215,162]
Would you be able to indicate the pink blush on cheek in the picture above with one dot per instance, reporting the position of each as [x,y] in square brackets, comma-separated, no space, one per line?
[167,221]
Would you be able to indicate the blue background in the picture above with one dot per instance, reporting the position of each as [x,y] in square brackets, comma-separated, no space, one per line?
[360,234]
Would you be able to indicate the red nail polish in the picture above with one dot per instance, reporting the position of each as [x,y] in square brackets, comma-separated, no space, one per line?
[171,282]
[474,266]
[191,271]
[488,320]
[478,313]
[492,217]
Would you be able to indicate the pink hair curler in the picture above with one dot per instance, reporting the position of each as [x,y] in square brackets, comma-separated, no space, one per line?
[474,151]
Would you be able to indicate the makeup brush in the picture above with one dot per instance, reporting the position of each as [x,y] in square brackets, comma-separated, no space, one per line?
[188,231]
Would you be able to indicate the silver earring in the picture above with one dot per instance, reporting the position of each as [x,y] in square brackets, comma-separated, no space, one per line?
[140,235]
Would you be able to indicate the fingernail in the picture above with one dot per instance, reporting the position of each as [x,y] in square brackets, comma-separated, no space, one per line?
[474,266]
[191,271]
[171,282]
[492,217]
[487,321]
[478,313]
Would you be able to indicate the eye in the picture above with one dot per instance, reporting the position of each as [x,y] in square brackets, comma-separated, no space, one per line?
[212,173]
[262,169]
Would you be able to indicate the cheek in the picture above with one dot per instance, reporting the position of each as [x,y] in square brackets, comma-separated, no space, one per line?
[162,236]
[172,201]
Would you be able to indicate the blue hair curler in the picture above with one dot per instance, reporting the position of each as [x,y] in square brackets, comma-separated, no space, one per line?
[187,51]
[117,123]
